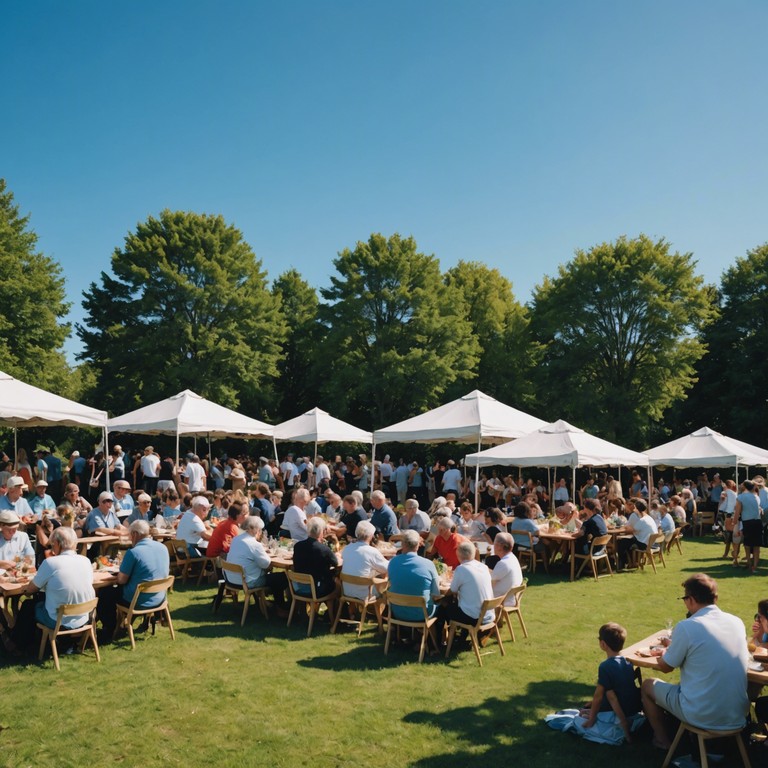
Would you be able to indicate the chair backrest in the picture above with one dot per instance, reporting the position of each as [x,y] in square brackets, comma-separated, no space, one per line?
[177,548]
[656,539]
[156,585]
[518,593]
[600,541]
[407,601]
[75,609]
[233,568]
[294,577]
[493,604]
[358,581]
[515,532]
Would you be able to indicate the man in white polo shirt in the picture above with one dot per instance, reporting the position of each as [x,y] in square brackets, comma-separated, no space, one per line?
[195,474]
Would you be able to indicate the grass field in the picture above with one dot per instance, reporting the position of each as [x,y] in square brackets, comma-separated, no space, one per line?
[265,695]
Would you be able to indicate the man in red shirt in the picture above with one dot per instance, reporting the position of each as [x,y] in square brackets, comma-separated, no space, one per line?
[446,543]
[226,530]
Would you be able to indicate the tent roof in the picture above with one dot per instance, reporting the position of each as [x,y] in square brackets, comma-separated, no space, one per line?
[189,414]
[22,405]
[557,445]
[318,426]
[707,448]
[467,419]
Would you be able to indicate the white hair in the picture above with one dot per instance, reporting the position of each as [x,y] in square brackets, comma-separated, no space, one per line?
[315,526]
[365,530]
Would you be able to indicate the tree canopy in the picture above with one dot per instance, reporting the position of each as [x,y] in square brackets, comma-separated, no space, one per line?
[619,328]
[396,335]
[32,294]
[187,307]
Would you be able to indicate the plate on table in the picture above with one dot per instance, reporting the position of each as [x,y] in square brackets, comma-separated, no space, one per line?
[755,666]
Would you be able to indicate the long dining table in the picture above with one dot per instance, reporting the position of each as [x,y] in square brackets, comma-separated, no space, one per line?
[561,536]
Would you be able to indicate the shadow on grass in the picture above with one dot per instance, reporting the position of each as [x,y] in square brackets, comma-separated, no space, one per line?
[503,729]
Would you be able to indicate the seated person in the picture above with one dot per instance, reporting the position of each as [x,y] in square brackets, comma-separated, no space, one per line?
[247,551]
[192,529]
[506,573]
[352,514]
[146,560]
[471,585]
[522,522]
[642,526]
[593,527]
[414,520]
[494,524]
[446,543]
[363,560]
[141,510]
[667,523]
[411,574]
[467,525]
[314,557]
[614,712]
[225,532]
[383,518]
[13,542]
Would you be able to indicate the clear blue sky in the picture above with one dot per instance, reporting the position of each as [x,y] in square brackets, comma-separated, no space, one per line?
[506,132]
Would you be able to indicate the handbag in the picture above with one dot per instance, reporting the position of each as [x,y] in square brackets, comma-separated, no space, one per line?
[94,481]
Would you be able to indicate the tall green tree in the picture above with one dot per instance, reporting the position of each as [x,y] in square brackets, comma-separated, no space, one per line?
[187,307]
[619,328]
[296,388]
[500,326]
[730,394]
[396,335]
[32,297]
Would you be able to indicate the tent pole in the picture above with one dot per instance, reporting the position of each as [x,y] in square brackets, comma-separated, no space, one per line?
[274,445]
[177,447]
[573,484]
[210,456]
[15,449]
[373,466]
[477,474]
[106,457]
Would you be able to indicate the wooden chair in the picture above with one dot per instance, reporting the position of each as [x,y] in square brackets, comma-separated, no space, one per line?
[424,625]
[506,610]
[86,631]
[654,549]
[528,552]
[702,519]
[703,736]
[215,563]
[227,587]
[371,600]
[313,601]
[675,541]
[181,560]
[494,604]
[126,615]
[592,557]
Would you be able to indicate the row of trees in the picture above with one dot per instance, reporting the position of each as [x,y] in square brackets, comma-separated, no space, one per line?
[626,340]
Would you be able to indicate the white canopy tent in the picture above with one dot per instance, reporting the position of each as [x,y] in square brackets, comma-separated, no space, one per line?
[22,405]
[559,444]
[318,426]
[187,413]
[707,448]
[474,417]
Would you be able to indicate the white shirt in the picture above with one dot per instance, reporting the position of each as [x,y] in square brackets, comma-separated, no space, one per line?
[322,473]
[195,474]
[247,552]
[361,559]
[312,509]
[18,544]
[295,522]
[728,504]
[644,528]
[190,528]
[506,575]
[472,583]
[150,463]
[65,578]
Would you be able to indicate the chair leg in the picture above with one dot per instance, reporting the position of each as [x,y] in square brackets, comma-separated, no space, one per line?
[594,567]
[451,634]
[475,646]
[342,603]
[509,626]
[703,752]
[129,622]
[389,635]
[522,623]
[43,641]
[55,652]
[170,623]
[743,751]
[246,605]
[263,605]
[312,609]
[423,646]
[92,636]
[673,747]
[290,612]
[498,640]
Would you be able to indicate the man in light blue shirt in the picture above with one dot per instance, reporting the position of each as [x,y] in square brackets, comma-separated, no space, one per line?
[410,574]
[13,500]
[41,501]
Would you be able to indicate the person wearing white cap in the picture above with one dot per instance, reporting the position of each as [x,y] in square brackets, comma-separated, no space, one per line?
[41,502]
[142,509]
[13,499]
[192,529]
[121,494]
[103,520]
[13,542]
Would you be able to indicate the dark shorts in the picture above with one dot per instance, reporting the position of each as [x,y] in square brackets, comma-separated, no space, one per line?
[753,533]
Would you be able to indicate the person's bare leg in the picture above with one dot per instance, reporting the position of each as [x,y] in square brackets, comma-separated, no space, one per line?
[655,714]
[755,559]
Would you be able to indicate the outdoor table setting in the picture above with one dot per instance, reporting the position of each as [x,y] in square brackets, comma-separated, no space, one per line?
[82,543]
[646,653]
[561,535]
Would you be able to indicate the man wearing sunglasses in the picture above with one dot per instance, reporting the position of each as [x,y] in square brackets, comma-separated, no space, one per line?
[710,650]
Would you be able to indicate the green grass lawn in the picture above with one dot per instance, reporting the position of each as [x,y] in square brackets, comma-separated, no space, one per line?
[266,695]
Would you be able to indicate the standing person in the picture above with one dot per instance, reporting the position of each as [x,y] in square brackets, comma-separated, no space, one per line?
[150,466]
[711,653]
[749,514]
[385,475]
[417,484]
[116,464]
[195,474]
[53,475]
[725,512]
[451,478]
[400,477]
